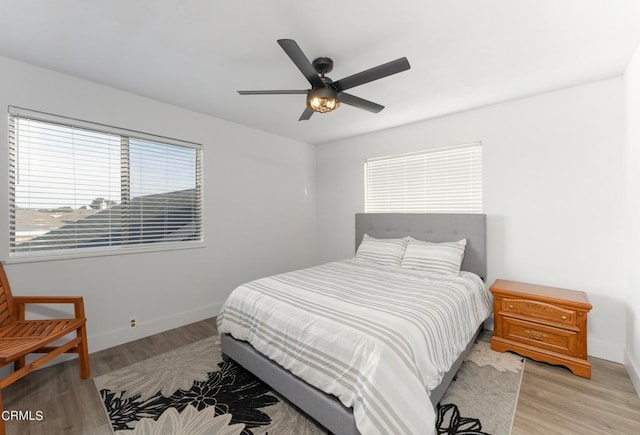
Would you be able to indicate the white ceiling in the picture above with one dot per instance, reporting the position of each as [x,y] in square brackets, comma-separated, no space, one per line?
[196,54]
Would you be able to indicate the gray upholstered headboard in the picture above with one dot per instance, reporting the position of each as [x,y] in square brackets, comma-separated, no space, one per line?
[431,227]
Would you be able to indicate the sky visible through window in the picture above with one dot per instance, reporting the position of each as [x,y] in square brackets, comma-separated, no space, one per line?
[160,168]
[68,167]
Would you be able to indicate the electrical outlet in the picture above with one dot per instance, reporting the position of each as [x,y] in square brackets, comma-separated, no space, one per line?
[132,322]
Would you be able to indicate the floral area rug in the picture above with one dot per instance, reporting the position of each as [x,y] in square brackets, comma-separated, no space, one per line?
[192,391]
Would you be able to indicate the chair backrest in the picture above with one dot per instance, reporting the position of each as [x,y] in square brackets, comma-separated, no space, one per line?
[7,310]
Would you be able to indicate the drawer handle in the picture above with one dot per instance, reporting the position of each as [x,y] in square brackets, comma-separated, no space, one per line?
[511,306]
[563,317]
[536,335]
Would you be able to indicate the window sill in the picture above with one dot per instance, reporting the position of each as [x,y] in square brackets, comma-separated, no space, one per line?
[103,252]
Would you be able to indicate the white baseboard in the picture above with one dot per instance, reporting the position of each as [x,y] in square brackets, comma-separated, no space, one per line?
[115,337]
[633,368]
[105,340]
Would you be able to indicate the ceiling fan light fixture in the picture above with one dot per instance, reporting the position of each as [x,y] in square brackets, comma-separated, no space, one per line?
[322,99]
[324,92]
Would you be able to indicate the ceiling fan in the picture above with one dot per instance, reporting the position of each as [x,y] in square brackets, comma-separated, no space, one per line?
[326,95]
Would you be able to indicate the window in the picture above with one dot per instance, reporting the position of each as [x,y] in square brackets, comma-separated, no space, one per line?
[79,188]
[442,180]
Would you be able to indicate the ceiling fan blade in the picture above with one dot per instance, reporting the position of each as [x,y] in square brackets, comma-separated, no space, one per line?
[360,103]
[297,56]
[306,114]
[272,92]
[375,73]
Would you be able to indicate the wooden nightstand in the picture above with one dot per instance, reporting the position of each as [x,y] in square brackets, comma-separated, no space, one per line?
[543,323]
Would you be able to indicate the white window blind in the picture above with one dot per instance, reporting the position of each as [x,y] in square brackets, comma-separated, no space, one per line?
[443,180]
[76,187]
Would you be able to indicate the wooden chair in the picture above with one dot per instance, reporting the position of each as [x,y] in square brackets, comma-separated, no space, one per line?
[20,337]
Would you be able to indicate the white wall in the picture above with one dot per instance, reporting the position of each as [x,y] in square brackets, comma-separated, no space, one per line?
[632,351]
[554,192]
[259,214]
[554,184]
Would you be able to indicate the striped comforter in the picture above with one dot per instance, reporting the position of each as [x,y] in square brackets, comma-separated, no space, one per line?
[377,337]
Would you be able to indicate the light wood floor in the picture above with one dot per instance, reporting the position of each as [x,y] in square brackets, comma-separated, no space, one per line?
[552,400]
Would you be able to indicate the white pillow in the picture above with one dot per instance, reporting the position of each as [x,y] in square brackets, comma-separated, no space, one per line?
[382,251]
[443,257]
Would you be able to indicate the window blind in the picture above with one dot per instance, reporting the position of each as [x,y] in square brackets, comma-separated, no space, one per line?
[77,187]
[443,180]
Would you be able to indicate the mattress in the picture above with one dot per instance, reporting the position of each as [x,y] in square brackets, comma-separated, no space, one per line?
[379,338]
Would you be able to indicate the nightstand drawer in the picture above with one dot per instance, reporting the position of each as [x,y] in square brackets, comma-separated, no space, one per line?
[539,310]
[541,336]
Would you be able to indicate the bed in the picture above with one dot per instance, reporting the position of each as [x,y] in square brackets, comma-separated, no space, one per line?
[313,380]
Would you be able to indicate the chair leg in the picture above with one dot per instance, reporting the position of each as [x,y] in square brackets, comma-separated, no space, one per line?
[19,363]
[2,429]
[83,354]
